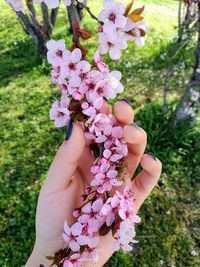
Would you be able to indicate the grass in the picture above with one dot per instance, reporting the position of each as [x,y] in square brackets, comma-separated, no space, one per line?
[170,230]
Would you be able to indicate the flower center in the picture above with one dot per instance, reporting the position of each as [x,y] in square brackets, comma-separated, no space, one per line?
[59,53]
[91,86]
[112,17]
[71,66]
[110,44]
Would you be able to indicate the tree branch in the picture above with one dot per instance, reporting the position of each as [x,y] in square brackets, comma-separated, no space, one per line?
[47,27]
[91,14]
[53,16]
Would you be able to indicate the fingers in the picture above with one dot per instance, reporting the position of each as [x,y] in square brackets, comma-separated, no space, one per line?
[136,138]
[146,179]
[65,162]
[123,112]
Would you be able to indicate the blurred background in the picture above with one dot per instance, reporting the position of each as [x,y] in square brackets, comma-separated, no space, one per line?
[162,82]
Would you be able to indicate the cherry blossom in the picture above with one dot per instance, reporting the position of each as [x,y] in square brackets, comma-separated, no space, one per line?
[73,236]
[102,66]
[17,5]
[113,47]
[68,2]
[60,113]
[91,215]
[113,14]
[136,31]
[88,87]
[105,181]
[49,3]
[57,53]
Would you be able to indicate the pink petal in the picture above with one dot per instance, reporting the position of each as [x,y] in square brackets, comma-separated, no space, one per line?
[82,240]
[74,245]
[67,228]
[97,205]
[93,225]
[67,263]
[93,242]
[76,228]
[76,55]
[101,139]
[87,208]
[112,174]
[107,153]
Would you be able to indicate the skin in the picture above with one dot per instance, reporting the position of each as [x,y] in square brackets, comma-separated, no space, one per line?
[68,176]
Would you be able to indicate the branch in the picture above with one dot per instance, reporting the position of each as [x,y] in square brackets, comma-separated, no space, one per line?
[74,22]
[47,27]
[91,14]
[27,26]
[53,16]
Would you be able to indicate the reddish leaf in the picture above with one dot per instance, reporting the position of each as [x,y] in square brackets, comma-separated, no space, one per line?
[85,34]
[104,229]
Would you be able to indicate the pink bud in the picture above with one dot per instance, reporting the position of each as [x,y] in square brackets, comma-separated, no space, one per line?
[84,105]
[88,190]
[100,29]
[83,197]
[77,212]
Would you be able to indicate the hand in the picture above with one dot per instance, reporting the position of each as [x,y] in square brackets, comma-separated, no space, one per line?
[70,174]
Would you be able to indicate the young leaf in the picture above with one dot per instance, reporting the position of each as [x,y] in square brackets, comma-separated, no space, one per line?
[138,11]
[128,8]
[85,34]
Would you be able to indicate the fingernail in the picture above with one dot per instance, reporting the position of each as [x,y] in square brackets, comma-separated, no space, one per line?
[125,100]
[136,126]
[151,154]
[69,130]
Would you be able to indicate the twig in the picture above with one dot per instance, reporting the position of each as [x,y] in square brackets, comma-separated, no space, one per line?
[91,14]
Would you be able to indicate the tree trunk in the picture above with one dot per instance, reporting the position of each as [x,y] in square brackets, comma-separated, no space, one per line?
[190,101]
[40,33]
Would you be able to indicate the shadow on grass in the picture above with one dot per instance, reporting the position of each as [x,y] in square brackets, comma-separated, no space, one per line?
[19,57]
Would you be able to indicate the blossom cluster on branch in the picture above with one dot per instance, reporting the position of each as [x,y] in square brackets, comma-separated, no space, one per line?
[107,204]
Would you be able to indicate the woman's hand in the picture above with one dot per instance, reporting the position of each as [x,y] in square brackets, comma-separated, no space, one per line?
[70,174]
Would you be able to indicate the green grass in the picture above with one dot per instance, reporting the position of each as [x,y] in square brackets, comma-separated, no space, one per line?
[170,230]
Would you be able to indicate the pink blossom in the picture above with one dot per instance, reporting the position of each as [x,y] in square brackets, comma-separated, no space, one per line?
[68,2]
[113,14]
[110,209]
[17,5]
[60,113]
[113,46]
[105,181]
[103,67]
[91,215]
[136,31]
[57,53]
[124,237]
[69,66]
[73,236]
[49,3]
[75,260]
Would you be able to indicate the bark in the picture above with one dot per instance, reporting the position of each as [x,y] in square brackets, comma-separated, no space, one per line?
[40,33]
[72,16]
[190,101]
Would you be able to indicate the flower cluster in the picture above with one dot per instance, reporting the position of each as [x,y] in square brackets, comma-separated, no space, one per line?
[84,89]
[19,6]
[119,26]
[108,205]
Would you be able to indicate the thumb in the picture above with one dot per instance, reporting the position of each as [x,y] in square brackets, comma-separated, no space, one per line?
[66,160]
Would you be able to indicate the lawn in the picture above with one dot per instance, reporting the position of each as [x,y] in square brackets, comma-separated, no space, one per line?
[169,234]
